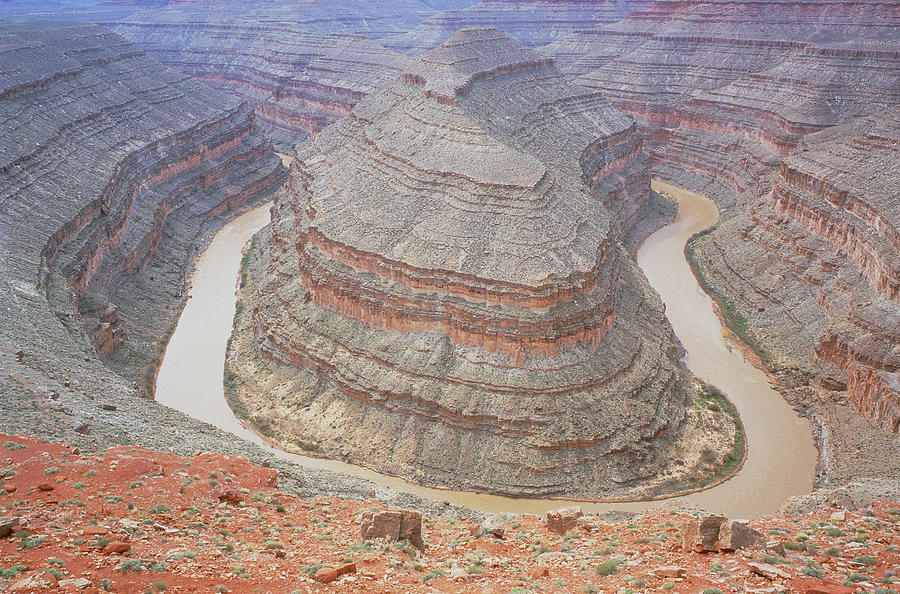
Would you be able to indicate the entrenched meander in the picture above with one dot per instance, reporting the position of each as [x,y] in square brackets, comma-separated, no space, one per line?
[781,460]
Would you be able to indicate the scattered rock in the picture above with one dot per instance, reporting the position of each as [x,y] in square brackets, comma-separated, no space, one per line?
[768,571]
[458,573]
[80,583]
[563,520]
[116,547]
[20,356]
[775,546]
[329,574]
[838,516]
[702,534]
[394,525]
[735,534]
[7,523]
[230,496]
[81,427]
[95,530]
[106,406]
[538,572]
[35,581]
[670,571]
[46,487]
[829,588]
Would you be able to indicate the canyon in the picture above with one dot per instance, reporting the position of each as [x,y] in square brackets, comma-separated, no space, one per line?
[791,128]
[114,170]
[448,290]
[441,286]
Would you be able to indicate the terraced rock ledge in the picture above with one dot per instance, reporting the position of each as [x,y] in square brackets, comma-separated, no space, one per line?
[442,294]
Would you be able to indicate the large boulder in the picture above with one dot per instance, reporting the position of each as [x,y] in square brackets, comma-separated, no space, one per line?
[702,534]
[563,520]
[7,523]
[394,525]
[736,534]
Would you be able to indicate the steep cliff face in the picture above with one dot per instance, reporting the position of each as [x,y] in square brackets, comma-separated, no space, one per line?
[297,83]
[530,22]
[842,191]
[113,171]
[442,294]
[785,113]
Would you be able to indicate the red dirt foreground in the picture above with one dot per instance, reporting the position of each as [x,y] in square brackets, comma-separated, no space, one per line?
[133,520]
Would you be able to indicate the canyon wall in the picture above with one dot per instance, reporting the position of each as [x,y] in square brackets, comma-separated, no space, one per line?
[530,22]
[442,294]
[786,114]
[296,82]
[114,171]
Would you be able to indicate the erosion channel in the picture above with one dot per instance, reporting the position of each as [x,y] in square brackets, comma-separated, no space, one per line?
[781,460]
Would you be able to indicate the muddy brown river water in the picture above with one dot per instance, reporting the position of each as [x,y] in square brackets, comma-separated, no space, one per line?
[782,456]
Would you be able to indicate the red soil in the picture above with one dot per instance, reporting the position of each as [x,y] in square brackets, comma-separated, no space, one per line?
[192,523]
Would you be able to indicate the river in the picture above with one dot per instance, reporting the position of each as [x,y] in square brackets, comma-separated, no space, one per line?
[782,456]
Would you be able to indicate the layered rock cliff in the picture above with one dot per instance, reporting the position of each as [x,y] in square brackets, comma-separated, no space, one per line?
[113,172]
[442,294]
[296,82]
[785,114]
[530,22]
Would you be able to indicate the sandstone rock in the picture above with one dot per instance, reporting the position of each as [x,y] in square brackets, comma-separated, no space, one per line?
[702,534]
[81,427]
[537,573]
[736,534]
[838,516]
[35,582]
[328,574]
[563,520]
[46,487]
[229,496]
[828,588]
[770,572]
[393,525]
[7,524]
[775,546]
[457,573]
[116,547]
[95,530]
[670,571]
[79,583]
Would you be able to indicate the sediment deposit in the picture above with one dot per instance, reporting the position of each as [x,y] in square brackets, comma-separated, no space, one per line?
[113,172]
[442,294]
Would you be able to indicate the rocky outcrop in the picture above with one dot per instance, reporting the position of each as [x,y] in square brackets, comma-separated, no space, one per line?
[113,171]
[310,81]
[530,22]
[442,293]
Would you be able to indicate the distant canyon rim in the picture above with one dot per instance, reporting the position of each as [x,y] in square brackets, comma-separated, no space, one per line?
[448,290]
